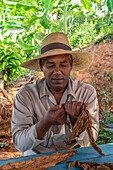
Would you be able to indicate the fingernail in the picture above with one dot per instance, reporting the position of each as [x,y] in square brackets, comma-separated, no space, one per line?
[86,104]
[60,106]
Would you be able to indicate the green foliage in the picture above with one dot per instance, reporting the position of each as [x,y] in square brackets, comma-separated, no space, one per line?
[106,89]
[110,5]
[104,137]
[86,4]
[22,6]
[44,21]
[25,42]
[83,34]
[105,99]
[8,22]
[10,59]
[36,13]
[26,47]
[47,4]
[91,29]
[95,1]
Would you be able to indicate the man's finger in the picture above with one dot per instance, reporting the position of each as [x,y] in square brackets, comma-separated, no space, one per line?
[86,104]
[79,104]
[56,107]
[74,106]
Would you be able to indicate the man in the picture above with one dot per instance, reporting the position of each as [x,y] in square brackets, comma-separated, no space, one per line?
[44,112]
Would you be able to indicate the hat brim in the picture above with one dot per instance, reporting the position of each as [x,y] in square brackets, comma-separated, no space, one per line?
[81,60]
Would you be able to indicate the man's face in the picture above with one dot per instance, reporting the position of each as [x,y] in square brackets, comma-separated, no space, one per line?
[57,71]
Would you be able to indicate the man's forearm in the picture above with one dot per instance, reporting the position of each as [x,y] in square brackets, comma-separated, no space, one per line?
[42,127]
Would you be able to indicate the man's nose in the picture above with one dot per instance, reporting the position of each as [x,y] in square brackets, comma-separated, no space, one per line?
[57,71]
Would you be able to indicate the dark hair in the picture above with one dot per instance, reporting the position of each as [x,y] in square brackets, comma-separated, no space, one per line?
[41,60]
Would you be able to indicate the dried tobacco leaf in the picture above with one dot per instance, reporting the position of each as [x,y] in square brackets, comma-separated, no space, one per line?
[90,133]
[91,165]
[77,130]
[72,164]
[39,163]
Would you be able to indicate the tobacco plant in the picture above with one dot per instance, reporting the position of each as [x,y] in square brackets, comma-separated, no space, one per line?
[10,59]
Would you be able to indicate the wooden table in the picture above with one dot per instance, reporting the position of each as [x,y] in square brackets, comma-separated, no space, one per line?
[83,154]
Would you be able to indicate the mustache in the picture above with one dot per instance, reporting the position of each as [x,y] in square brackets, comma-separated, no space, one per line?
[57,77]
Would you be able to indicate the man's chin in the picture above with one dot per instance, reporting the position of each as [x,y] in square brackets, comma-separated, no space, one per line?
[58,87]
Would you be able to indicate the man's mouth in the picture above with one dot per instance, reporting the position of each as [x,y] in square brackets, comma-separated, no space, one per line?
[57,80]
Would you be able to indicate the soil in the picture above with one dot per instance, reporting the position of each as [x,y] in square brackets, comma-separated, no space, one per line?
[99,75]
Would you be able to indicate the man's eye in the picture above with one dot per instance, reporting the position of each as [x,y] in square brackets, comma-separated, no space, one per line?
[64,65]
[50,66]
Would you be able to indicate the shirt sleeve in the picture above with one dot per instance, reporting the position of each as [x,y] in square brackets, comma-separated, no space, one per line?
[93,108]
[23,123]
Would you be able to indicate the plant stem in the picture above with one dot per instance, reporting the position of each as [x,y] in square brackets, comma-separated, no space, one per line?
[65,17]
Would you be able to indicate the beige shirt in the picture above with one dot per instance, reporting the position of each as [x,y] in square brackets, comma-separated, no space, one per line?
[31,104]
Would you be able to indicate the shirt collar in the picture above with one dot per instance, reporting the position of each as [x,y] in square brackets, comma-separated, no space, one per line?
[44,91]
[71,88]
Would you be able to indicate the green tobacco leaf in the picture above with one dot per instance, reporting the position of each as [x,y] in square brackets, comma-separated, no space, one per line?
[15,62]
[20,5]
[5,77]
[5,28]
[17,17]
[16,26]
[44,21]
[33,18]
[1,67]
[54,2]
[2,57]
[9,3]
[95,1]
[47,3]
[27,7]
[110,5]
[73,6]
[86,4]
[26,46]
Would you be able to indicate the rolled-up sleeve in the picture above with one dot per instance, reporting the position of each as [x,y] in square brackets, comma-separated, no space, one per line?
[93,109]
[23,127]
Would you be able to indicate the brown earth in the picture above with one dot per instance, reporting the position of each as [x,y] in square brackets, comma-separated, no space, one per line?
[100,75]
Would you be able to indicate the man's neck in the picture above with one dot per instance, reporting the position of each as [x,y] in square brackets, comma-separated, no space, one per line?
[57,93]
[58,97]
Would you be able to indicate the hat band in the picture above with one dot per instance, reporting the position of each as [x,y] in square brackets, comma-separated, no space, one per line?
[54,46]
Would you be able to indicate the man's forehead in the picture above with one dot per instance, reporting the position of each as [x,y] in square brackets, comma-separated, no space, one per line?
[64,57]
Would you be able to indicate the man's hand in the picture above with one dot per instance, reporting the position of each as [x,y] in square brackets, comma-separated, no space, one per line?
[55,115]
[73,109]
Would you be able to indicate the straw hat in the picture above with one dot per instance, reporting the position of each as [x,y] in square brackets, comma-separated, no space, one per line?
[56,44]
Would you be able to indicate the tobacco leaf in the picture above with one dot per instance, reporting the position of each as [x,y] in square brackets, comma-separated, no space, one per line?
[91,165]
[40,163]
[77,129]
